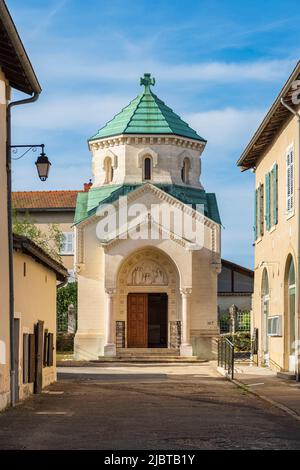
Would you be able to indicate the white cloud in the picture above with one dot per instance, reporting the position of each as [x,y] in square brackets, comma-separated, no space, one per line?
[227,128]
[77,113]
[77,67]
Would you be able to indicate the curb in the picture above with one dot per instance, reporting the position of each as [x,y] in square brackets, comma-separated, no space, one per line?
[274,403]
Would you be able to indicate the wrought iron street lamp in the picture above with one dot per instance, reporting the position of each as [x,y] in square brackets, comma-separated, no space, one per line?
[42,164]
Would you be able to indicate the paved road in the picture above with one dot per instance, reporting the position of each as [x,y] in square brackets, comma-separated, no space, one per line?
[146,407]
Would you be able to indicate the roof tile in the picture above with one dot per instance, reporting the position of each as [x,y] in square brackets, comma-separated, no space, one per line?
[45,199]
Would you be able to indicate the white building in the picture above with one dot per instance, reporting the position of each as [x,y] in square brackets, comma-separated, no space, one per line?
[147,284]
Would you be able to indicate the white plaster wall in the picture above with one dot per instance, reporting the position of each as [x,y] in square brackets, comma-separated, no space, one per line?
[4,274]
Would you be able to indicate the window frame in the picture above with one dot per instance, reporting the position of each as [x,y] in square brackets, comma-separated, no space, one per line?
[146,158]
[290,179]
[65,252]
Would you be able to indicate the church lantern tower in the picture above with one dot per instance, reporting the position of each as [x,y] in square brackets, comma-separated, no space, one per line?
[150,155]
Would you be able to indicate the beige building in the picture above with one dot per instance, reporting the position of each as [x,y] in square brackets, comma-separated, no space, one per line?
[26,349]
[36,278]
[143,284]
[273,154]
[15,73]
[46,208]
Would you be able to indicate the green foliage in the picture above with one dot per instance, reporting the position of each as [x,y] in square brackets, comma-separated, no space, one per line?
[50,240]
[241,341]
[65,296]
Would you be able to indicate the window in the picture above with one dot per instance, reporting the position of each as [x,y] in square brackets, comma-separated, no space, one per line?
[275,326]
[265,306]
[109,171]
[185,171]
[271,183]
[147,169]
[67,245]
[291,306]
[290,179]
[259,212]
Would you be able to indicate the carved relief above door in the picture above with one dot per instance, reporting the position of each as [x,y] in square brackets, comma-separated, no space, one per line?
[148,273]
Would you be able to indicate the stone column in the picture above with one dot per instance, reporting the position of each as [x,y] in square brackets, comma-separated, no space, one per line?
[186,347]
[110,346]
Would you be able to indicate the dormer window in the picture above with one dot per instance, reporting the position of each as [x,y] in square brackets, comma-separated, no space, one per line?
[147,169]
[185,171]
[109,171]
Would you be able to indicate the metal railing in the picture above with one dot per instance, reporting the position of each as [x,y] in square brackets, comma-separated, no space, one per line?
[226,356]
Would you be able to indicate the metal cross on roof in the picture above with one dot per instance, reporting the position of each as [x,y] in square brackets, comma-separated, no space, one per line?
[147,81]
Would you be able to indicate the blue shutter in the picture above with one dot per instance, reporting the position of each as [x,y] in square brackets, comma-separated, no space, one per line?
[268,221]
[255,214]
[275,193]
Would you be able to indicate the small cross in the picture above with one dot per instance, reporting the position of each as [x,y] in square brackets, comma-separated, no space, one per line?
[147,81]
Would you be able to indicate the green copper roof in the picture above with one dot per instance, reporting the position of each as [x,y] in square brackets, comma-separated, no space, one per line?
[147,114]
[88,202]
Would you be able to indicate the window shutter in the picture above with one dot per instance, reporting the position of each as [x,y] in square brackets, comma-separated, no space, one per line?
[45,349]
[50,349]
[261,210]
[275,193]
[290,180]
[31,375]
[25,358]
[268,221]
[255,214]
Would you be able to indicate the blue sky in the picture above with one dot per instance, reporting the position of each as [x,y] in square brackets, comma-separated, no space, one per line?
[218,64]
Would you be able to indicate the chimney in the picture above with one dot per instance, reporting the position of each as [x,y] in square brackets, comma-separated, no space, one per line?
[87,186]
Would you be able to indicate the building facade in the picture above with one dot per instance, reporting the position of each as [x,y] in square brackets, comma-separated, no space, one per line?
[36,278]
[4,272]
[48,208]
[143,283]
[16,73]
[273,154]
[235,287]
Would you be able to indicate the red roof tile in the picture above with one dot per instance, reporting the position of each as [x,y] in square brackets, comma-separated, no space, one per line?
[45,199]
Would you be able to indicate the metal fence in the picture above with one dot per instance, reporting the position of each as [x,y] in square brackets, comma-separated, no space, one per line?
[241,322]
[226,356]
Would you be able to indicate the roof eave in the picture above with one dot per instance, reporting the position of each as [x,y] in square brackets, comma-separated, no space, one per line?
[32,84]
[127,134]
[242,161]
[27,246]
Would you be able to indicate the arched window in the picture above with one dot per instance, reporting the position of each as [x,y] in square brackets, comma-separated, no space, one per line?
[265,304]
[185,171]
[109,171]
[147,169]
[291,285]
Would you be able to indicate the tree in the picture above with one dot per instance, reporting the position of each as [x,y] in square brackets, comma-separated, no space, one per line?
[66,296]
[49,240]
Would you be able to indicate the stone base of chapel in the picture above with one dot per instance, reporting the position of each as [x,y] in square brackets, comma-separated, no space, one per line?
[88,347]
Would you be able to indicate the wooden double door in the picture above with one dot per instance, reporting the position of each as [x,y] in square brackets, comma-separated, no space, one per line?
[147,320]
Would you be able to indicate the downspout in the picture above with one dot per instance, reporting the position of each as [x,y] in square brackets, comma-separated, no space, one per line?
[32,99]
[297,205]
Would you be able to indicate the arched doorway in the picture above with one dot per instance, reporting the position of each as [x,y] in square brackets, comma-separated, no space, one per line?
[265,306]
[290,317]
[149,298]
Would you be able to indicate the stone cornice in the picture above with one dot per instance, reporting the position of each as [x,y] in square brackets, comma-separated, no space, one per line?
[147,140]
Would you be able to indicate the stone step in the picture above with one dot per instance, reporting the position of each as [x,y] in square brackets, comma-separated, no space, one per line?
[149,352]
[286,375]
[151,359]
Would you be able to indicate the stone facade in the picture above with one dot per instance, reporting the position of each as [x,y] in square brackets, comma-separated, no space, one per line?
[4,273]
[274,158]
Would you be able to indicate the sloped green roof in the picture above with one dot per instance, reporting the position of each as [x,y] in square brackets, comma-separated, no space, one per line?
[147,114]
[88,202]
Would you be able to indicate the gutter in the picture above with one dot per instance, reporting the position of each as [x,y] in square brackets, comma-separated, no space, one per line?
[32,99]
[297,205]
